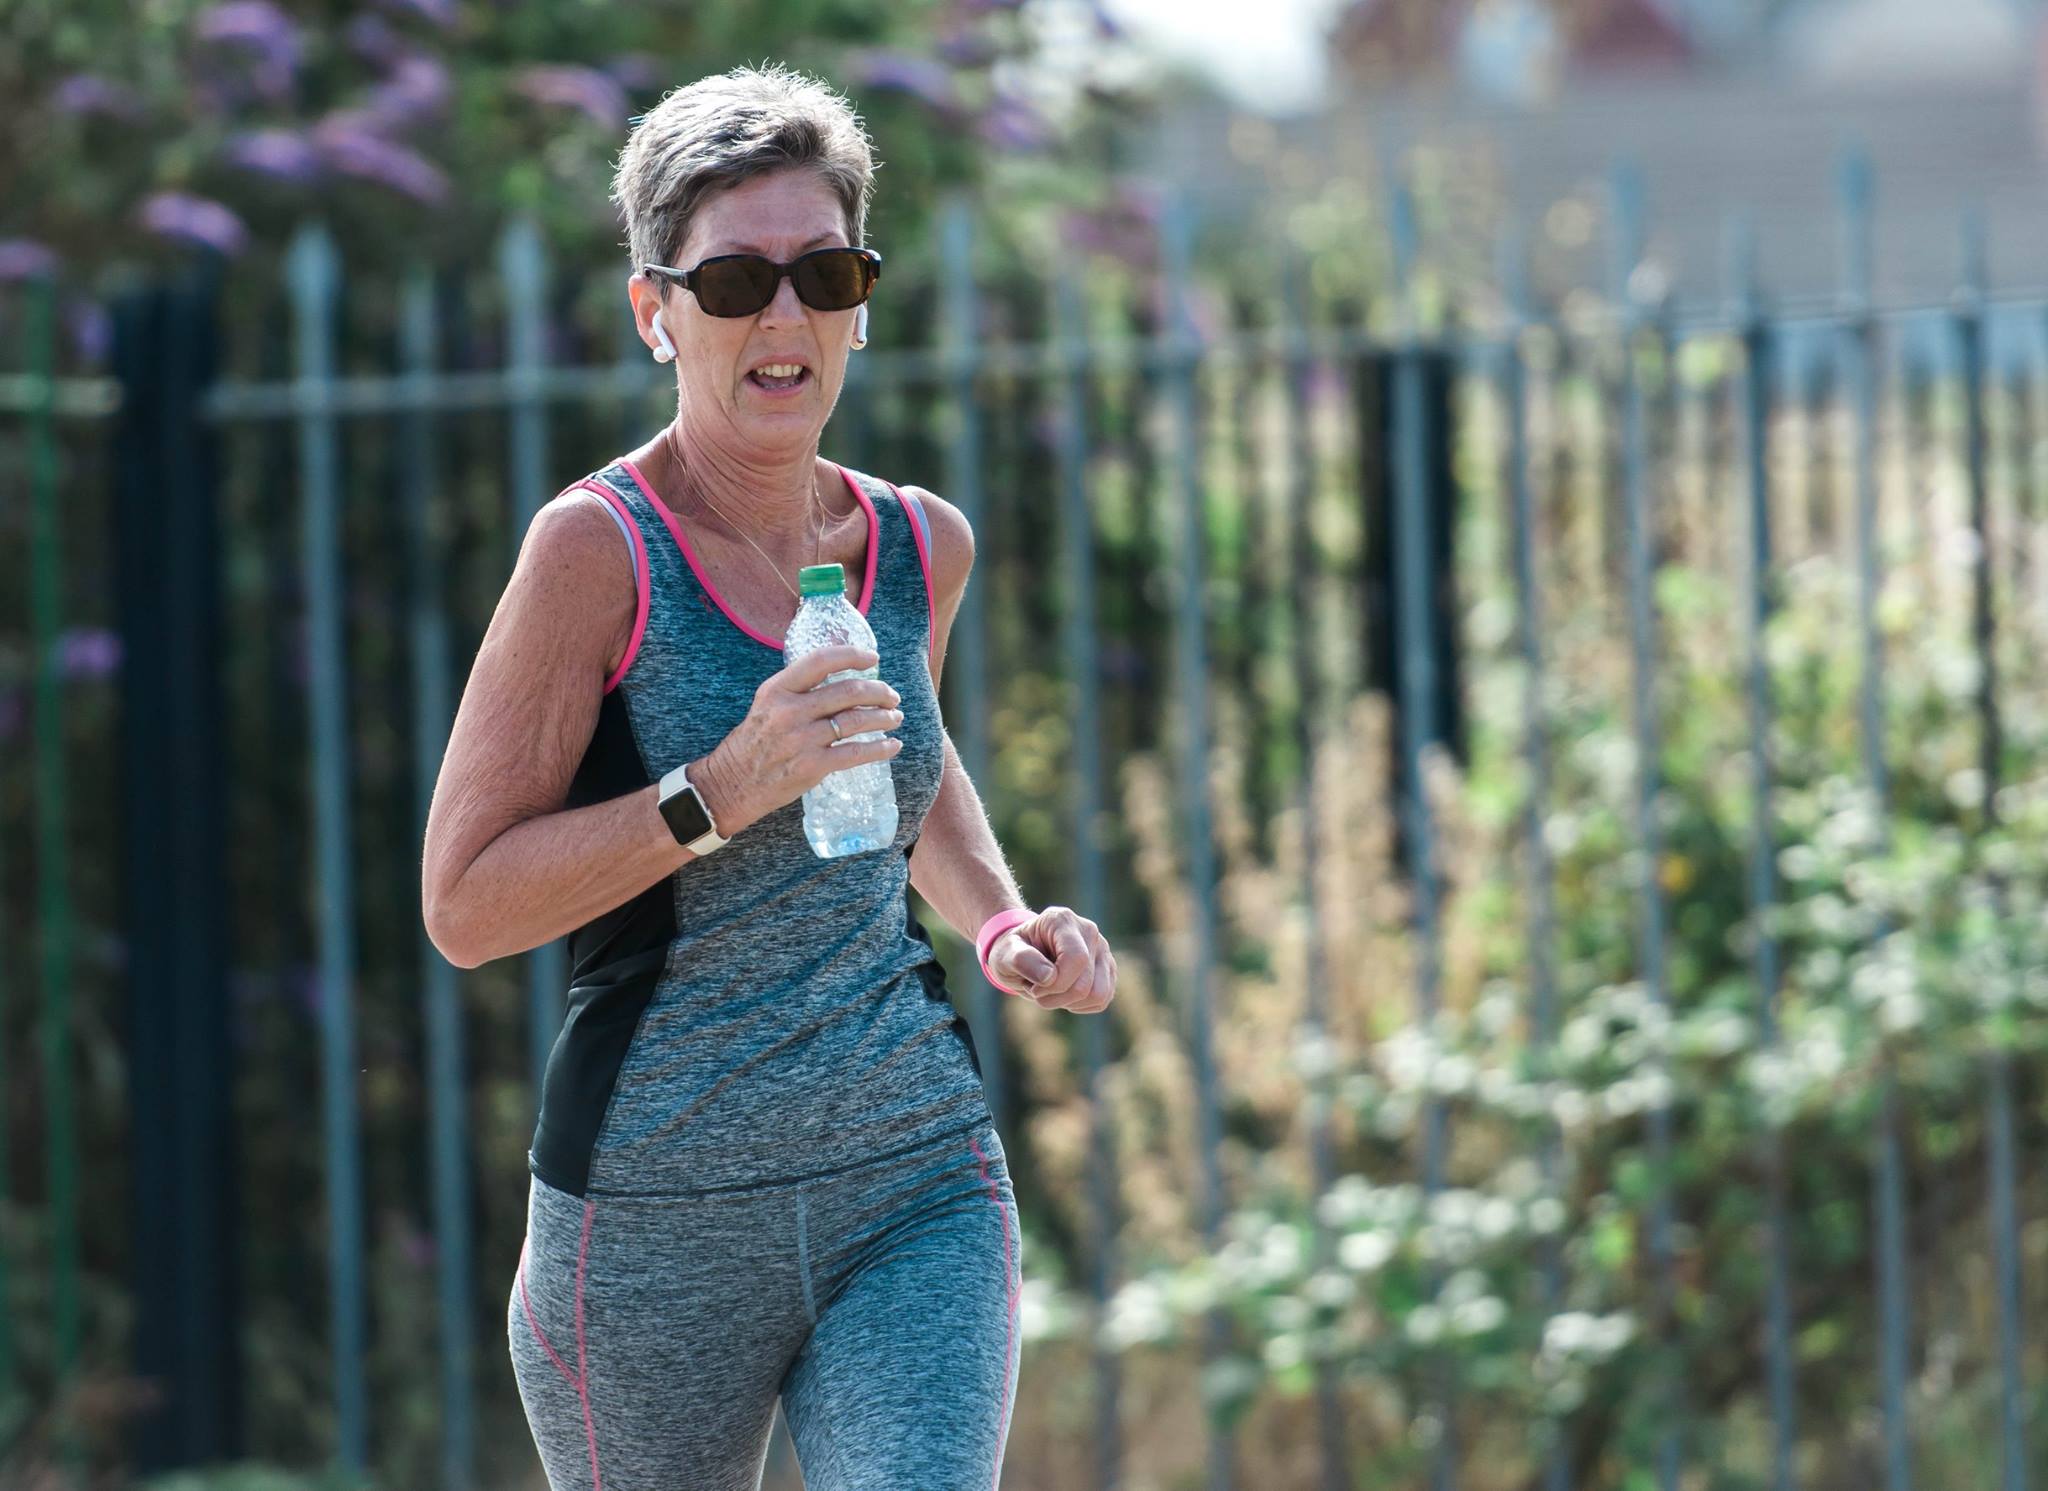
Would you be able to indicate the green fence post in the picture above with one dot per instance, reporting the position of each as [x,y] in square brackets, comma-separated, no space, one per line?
[447,1096]
[315,276]
[523,265]
[53,860]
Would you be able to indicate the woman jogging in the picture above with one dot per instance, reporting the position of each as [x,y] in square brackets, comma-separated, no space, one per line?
[763,1165]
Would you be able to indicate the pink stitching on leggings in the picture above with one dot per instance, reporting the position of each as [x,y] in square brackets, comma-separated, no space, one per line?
[582,1366]
[996,1198]
[533,1325]
[581,1379]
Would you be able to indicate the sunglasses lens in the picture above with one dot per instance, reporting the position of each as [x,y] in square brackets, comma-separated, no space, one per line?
[832,280]
[737,286]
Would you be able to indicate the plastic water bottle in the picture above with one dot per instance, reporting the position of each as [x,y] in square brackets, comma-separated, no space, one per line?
[853,809]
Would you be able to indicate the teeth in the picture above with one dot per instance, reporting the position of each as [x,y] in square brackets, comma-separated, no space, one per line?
[780,369]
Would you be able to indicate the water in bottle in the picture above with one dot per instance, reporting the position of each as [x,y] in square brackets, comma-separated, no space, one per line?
[853,809]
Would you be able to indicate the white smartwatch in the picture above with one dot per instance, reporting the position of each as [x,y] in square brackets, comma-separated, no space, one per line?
[684,810]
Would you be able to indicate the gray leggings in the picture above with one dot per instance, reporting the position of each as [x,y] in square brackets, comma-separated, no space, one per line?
[651,1335]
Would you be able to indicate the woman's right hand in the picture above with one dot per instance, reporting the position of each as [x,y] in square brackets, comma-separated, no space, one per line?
[784,747]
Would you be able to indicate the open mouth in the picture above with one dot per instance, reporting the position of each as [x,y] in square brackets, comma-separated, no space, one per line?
[779,377]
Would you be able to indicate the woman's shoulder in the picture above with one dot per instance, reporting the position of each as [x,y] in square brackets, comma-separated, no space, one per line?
[952,541]
[951,536]
[576,569]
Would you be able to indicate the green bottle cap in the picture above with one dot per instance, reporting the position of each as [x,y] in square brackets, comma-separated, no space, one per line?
[821,579]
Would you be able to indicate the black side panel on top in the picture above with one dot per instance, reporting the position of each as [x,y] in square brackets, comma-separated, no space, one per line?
[616,960]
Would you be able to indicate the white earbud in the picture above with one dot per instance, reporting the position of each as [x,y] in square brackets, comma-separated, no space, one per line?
[667,350]
[860,325]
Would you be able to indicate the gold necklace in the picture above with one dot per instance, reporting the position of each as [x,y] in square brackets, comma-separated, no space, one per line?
[817,543]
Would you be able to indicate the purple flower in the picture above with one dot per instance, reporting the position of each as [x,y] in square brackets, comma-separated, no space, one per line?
[354,150]
[24,259]
[417,89]
[967,47]
[87,93]
[283,153]
[92,330]
[262,30]
[199,220]
[1122,662]
[254,23]
[88,652]
[374,39]
[305,983]
[637,72]
[596,93]
[416,1245]
[441,12]
[1012,124]
[924,78]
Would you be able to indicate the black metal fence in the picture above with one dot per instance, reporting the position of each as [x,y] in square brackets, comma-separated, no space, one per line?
[257,548]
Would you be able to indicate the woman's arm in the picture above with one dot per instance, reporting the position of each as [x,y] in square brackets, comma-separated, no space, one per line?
[956,864]
[1058,958]
[504,869]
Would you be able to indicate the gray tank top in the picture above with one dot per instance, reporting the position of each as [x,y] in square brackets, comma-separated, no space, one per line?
[763,1014]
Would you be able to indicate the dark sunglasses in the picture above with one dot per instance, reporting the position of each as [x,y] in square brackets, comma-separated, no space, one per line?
[826,279]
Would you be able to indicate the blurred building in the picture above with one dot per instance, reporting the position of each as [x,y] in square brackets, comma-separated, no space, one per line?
[1523,106]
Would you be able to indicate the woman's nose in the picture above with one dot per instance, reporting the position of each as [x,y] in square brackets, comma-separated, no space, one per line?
[785,306]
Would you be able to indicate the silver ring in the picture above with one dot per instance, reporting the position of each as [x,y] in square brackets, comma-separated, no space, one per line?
[834,721]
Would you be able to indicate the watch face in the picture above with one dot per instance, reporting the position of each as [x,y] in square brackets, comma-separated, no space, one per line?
[686,817]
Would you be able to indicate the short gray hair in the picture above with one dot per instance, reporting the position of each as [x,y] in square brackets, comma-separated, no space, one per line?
[722,130]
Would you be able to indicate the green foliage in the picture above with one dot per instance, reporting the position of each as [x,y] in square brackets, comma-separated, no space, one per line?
[250,1478]
[1911,939]
[418,128]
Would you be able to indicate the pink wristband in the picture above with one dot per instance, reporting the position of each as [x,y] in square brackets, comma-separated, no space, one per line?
[985,939]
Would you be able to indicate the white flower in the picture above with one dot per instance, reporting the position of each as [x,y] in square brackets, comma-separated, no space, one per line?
[1288,1313]
[1799,861]
[1425,1325]
[1611,1333]
[1901,1012]
[1330,1288]
[1454,1208]
[1346,1201]
[1966,787]
[1193,1293]
[1285,1351]
[1583,1038]
[1475,1317]
[1718,1033]
[1315,1055]
[1280,1255]
[1137,1312]
[1453,1075]
[1041,1312]
[1497,1087]
[1567,1334]
[1546,1215]
[1571,1109]
[1520,1178]
[1407,1056]
[1496,1217]
[1394,1117]
[1465,1284]
[1365,1252]
[1576,1333]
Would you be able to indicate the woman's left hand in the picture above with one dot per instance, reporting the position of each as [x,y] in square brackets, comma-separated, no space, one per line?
[1059,960]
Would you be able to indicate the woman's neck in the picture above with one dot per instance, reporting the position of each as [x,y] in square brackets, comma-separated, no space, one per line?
[775,501]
